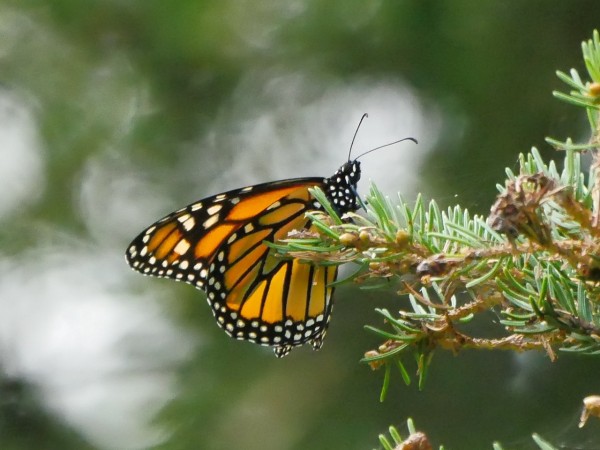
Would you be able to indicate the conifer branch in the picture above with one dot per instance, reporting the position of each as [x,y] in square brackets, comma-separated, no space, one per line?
[534,261]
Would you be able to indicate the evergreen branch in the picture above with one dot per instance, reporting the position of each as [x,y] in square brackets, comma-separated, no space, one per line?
[534,261]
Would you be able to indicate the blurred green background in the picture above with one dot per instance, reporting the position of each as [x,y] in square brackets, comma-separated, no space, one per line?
[116,112]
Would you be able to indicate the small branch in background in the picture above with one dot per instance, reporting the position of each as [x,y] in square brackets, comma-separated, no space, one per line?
[418,440]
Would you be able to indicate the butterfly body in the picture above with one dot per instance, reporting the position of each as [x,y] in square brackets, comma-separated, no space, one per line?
[217,245]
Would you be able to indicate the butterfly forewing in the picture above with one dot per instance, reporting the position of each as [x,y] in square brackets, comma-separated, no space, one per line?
[218,245]
[183,244]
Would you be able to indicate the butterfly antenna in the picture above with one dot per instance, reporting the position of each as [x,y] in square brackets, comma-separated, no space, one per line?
[355,133]
[387,145]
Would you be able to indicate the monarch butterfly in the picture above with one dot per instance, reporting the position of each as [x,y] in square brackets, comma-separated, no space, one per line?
[218,245]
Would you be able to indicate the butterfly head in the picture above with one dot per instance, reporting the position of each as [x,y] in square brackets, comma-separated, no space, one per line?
[341,187]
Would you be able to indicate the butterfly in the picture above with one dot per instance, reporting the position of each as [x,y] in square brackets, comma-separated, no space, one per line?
[218,245]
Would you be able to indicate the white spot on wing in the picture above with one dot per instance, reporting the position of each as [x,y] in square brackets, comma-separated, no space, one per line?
[183,218]
[214,209]
[189,223]
[210,221]
[182,247]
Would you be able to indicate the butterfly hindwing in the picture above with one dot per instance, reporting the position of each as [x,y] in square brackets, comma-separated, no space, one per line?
[261,298]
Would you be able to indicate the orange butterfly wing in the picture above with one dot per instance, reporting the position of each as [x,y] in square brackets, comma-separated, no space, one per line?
[217,245]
